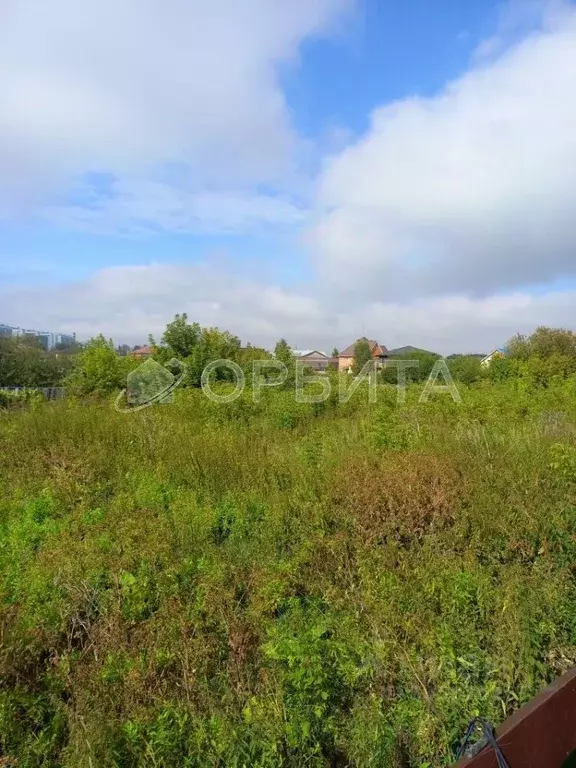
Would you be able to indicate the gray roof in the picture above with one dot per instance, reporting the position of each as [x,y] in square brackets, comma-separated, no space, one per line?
[306,352]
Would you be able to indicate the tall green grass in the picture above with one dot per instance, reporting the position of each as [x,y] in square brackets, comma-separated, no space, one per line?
[282,584]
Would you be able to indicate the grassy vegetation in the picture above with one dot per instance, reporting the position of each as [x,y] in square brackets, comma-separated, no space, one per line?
[282,584]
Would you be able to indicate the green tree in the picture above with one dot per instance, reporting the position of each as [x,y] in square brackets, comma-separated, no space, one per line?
[335,352]
[362,355]
[465,368]
[414,374]
[544,342]
[501,369]
[146,383]
[181,337]
[547,342]
[213,344]
[197,347]
[249,356]
[518,347]
[544,355]
[24,363]
[283,353]
[98,369]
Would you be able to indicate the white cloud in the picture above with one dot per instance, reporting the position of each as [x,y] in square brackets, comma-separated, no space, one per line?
[468,191]
[126,87]
[127,303]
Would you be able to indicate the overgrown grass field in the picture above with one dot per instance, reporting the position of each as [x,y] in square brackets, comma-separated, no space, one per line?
[282,584]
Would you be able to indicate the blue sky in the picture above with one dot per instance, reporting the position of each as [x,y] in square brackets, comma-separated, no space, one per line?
[313,171]
[388,51]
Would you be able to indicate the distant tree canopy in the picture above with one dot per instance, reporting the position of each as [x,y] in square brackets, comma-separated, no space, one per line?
[283,352]
[543,343]
[248,357]
[102,368]
[417,373]
[182,338]
[196,347]
[97,366]
[362,355]
[99,369]
[465,368]
[544,355]
[24,363]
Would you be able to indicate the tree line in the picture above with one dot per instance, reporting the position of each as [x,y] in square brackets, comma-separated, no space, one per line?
[97,366]
[25,363]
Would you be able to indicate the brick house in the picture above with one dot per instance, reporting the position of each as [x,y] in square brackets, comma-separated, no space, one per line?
[346,357]
[141,353]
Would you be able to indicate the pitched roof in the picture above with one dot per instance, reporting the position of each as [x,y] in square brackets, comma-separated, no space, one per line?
[498,352]
[307,352]
[349,351]
[146,350]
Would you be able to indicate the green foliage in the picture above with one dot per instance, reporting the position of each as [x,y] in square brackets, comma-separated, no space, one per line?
[20,398]
[422,365]
[248,357]
[197,347]
[98,369]
[465,368]
[147,383]
[283,352]
[277,583]
[320,669]
[362,355]
[543,343]
[25,364]
[181,337]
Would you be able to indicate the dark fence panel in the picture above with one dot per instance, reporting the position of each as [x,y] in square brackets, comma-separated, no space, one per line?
[541,734]
[50,393]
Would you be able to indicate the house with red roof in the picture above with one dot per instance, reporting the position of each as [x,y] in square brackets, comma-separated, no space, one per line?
[346,357]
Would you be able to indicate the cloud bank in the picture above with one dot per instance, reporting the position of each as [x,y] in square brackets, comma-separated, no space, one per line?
[469,191]
[127,303]
[191,87]
[433,228]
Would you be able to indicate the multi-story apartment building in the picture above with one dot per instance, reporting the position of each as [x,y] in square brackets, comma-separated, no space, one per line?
[64,339]
[47,339]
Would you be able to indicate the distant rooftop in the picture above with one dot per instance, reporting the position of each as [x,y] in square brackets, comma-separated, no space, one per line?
[304,352]
[349,351]
[142,351]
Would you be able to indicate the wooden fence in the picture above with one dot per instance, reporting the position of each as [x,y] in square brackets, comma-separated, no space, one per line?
[541,734]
